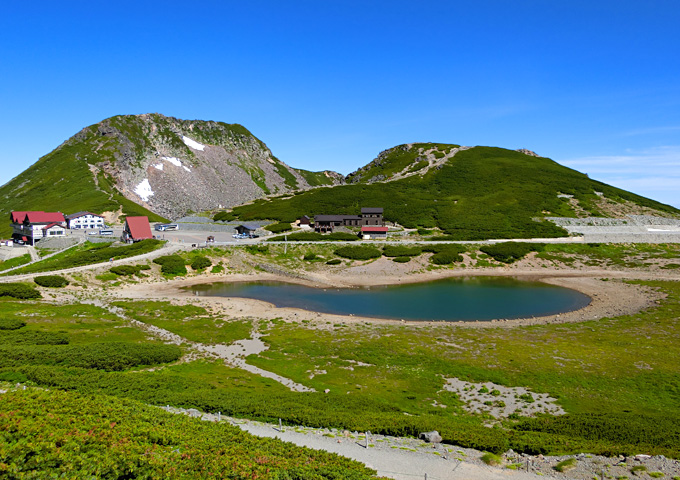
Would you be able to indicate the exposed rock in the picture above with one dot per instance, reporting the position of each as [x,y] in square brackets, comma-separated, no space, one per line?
[431,437]
[527,152]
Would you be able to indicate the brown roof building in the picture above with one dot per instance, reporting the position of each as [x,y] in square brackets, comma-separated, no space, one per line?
[136,229]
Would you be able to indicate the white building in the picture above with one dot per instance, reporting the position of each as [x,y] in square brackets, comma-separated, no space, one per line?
[83,220]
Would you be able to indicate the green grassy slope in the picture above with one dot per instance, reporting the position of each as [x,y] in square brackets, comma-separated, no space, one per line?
[483,192]
[62,180]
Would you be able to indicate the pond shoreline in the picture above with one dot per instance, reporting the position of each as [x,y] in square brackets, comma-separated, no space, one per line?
[609,298]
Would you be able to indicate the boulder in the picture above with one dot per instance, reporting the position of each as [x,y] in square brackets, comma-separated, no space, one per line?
[431,437]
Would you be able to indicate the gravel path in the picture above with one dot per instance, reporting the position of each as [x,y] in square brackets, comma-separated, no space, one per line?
[392,457]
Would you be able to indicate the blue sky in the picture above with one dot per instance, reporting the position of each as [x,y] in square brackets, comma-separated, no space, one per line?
[595,85]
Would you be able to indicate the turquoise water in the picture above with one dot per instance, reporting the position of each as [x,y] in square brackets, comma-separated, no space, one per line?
[455,299]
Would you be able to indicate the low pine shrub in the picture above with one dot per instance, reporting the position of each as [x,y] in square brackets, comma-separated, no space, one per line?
[279,227]
[33,337]
[401,251]
[110,356]
[11,324]
[224,217]
[51,281]
[509,252]
[334,261]
[201,263]
[401,259]
[491,459]
[21,291]
[316,237]
[255,249]
[171,265]
[124,270]
[217,269]
[565,465]
[358,253]
[310,256]
[446,257]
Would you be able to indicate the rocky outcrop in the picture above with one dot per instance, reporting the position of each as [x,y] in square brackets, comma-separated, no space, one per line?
[172,166]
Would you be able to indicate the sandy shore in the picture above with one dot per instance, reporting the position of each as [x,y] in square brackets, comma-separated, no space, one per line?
[610,295]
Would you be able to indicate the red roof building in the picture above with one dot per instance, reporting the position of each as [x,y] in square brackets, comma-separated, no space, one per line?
[136,229]
[32,226]
[44,217]
[373,232]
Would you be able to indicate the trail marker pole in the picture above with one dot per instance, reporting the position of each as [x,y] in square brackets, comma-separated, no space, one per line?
[280,426]
[219,416]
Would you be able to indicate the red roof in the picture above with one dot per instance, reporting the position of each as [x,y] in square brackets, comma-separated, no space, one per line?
[47,227]
[374,229]
[18,217]
[45,217]
[138,227]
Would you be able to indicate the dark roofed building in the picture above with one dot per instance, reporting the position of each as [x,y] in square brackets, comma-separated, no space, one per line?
[326,223]
[247,228]
[372,217]
[136,229]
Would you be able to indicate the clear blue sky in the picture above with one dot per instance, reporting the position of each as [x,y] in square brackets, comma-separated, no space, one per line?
[329,84]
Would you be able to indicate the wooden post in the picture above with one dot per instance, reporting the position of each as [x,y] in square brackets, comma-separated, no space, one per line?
[280,426]
[285,245]
[366,439]
[219,416]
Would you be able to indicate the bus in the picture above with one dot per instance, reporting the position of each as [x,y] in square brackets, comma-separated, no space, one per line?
[163,227]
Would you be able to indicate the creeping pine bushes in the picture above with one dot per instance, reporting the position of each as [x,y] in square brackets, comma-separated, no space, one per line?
[11,324]
[358,253]
[401,251]
[52,281]
[279,227]
[334,261]
[200,263]
[21,291]
[125,270]
[445,254]
[224,217]
[109,356]
[171,265]
[509,252]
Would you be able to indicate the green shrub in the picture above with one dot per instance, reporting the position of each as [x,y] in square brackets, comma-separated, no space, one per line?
[217,268]
[310,256]
[638,468]
[111,356]
[401,259]
[123,270]
[279,227]
[19,290]
[200,262]
[565,465]
[224,217]
[11,324]
[358,253]
[424,231]
[51,281]
[257,249]
[33,337]
[491,459]
[509,252]
[334,261]
[656,474]
[401,251]
[446,257]
[171,265]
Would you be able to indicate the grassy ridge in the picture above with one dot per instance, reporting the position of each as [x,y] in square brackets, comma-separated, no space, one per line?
[481,193]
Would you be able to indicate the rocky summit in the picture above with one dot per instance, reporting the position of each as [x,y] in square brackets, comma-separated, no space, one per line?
[150,163]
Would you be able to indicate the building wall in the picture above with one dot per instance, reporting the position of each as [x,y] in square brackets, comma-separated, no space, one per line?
[86,221]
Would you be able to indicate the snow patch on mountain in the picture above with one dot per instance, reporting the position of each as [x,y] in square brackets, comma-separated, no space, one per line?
[193,143]
[143,190]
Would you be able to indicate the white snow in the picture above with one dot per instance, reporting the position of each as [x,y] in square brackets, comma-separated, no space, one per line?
[193,143]
[186,168]
[174,160]
[144,190]
[159,166]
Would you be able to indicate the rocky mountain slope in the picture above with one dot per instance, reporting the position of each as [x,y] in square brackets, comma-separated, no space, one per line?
[156,165]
